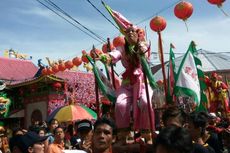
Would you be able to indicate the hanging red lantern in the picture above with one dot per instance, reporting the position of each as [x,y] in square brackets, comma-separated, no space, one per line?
[95,52]
[57,85]
[216,2]
[119,41]
[77,61]
[158,24]
[55,68]
[104,47]
[219,4]
[183,10]
[44,71]
[83,57]
[69,64]
[61,67]
[49,71]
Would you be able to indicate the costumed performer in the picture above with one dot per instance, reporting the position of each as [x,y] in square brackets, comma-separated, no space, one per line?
[218,94]
[131,106]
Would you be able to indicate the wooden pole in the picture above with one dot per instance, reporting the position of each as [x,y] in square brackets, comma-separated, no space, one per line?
[112,69]
[162,63]
[149,106]
[96,90]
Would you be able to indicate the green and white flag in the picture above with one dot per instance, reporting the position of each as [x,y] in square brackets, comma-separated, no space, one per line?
[187,80]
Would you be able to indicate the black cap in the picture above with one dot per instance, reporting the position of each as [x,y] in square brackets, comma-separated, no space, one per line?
[27,140]
[84,125]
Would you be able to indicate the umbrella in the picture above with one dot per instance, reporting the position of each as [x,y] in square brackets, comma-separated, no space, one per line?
[72,113]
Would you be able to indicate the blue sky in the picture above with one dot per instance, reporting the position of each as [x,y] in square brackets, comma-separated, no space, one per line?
[30,28]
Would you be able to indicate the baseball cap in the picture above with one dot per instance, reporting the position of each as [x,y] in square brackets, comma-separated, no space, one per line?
[27,140]
[84,125]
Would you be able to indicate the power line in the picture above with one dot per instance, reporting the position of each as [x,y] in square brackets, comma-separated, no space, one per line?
[61,16]
[158,12]
[65,13]
[102,14]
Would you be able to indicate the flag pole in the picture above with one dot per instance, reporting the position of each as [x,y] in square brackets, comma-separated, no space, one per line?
[162,63]
[112,68]
[96,89]
[149,105]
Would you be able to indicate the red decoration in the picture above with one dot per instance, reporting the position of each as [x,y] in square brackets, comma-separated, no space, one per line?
[69,64]
[216,2]
[83,57]
[183,10]
[77,61]
[158,24]
[97,51]
[61,67]
[119,41]
[57,85]
[44,71]
[104,47]
[49,71]
[55,68]
[219,4]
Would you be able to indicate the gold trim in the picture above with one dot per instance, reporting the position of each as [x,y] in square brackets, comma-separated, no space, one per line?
[52,77]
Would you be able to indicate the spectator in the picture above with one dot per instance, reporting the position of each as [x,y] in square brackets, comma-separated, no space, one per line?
[226,140]
[28,143]
[83,128]
[103,136]
[174,116]
[173,140]
[58,145]
[52,125]
[197,128]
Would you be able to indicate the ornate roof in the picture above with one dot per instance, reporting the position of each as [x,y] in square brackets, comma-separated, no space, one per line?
[16,69]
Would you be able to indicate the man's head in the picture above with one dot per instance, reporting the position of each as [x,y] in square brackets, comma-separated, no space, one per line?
[28,143]
[197,124]
[174,116]
[59,134]
[103,134]
[83,127]
[173,139]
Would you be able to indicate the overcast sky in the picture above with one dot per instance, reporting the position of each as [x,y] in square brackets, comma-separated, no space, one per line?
[30,28]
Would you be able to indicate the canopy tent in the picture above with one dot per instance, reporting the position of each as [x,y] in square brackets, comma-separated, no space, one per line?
[211,61]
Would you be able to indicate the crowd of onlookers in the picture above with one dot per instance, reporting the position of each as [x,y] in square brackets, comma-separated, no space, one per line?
[196,132]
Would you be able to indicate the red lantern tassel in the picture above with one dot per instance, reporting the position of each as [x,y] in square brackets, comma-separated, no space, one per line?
[220,7]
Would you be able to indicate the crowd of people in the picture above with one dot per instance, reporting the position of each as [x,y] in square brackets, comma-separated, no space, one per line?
[196,132]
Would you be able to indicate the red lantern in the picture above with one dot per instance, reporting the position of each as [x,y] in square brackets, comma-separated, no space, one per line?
[119,41]
[77,61]
[61,67]
[83,57]
[158,24]
[104,47]
[69,64]
[97,52]
[219,5]
[44,71]
[216,2]
[55,68]
[49,71]
[183,10]
[57,85]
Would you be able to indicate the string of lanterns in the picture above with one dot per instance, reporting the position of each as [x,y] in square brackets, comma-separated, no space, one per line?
[183,10]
